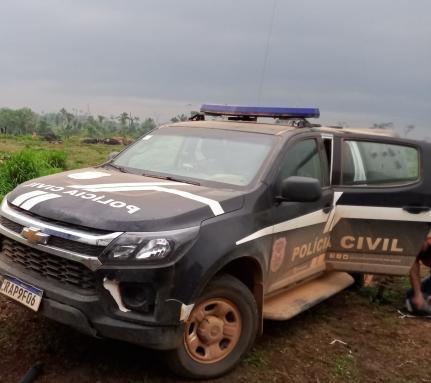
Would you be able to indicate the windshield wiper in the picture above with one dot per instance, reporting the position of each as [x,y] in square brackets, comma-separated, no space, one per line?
[170,178]
[120,168]
[183,180]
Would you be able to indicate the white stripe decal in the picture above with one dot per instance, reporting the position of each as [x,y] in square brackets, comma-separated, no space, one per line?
[24,197]
[310,219]
[338,213]
[337,196]
[379,212]
[127,184]
[123,188]
[330,222]
[35,200]
[213,204]
[331,219]
[258,234]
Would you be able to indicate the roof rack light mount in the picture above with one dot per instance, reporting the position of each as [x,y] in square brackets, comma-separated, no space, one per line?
[251,113]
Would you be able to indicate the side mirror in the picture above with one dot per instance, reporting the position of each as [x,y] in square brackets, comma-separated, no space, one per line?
[301,189]
[112,155]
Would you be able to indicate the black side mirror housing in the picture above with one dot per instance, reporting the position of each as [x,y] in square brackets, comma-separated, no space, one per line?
[301,189]
[112,155]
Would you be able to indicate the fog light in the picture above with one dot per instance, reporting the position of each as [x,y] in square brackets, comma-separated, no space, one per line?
[137,296]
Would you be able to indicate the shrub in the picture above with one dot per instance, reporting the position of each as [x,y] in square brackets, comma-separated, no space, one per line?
[55,158]
[27,164]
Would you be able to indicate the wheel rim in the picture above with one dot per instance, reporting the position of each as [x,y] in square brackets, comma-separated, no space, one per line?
[212,330]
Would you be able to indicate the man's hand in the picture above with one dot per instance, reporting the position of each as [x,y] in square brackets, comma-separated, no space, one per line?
[419,302]
[415,280]
[426,244]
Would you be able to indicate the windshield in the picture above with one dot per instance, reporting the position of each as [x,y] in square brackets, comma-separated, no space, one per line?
[224,156]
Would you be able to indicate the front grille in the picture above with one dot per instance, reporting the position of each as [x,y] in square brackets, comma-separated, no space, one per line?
[13,226]
[61,243]
[77,247]
[48,266]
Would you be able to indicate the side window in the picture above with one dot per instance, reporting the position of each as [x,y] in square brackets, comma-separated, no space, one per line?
[379,163]
[303,160]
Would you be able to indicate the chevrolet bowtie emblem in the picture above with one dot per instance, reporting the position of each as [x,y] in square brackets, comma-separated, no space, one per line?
[35,235]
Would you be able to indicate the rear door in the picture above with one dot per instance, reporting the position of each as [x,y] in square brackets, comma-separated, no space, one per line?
[382,212]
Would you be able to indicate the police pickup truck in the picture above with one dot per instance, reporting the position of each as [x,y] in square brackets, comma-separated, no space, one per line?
[191,236]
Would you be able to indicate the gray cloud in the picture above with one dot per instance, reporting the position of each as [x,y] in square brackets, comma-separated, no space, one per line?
[359,61]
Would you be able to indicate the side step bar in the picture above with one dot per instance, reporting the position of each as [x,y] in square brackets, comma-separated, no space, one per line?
[289,303]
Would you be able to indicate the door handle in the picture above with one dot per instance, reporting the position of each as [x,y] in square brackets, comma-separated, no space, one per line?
[416,209]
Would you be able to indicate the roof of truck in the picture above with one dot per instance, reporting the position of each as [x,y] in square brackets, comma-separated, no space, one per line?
[274,129]
[243,126]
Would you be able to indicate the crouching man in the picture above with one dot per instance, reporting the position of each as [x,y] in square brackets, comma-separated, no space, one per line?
[419,296]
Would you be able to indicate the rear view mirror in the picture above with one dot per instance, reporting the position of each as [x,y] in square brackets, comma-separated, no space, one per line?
[301,189]
[112,155]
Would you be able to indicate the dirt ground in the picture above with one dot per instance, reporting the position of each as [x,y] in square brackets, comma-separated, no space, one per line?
[378,346]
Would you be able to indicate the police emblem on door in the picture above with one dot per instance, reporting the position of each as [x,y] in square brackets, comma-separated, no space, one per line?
[278,253]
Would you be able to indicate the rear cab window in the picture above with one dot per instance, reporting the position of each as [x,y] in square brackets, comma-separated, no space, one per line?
[374,163]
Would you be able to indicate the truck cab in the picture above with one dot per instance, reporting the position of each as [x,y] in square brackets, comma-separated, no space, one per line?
[193,235]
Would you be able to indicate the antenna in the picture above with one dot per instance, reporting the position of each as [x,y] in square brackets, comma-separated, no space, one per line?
[266,54]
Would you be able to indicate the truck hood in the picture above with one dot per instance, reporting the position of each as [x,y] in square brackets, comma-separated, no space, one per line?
[113,201]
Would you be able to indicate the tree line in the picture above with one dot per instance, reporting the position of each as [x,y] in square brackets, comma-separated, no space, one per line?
[66,124]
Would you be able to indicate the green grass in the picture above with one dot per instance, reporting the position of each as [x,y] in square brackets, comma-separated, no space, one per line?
[24,158]
[27,164]
[345,369]
[256,358]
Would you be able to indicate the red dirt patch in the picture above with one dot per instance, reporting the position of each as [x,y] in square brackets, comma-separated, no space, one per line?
[380,347]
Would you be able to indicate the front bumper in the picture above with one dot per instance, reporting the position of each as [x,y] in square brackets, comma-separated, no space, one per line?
[71,275]
[98,315]
[156,337]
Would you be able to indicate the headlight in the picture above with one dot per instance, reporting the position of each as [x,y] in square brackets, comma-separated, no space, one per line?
[150,246]
[155,248]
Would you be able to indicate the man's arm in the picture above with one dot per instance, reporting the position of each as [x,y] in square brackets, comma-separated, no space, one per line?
[415,280]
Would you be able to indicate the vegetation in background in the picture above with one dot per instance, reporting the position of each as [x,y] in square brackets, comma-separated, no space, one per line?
[23,158]
[65,124]
[26,164]
[24,131]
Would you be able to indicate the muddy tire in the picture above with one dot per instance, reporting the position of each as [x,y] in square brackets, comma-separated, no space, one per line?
[219,331]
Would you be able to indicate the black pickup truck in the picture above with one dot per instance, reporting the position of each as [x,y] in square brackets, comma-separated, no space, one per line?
[190,237]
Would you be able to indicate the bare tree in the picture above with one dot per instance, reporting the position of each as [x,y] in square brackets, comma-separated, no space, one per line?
[408,129]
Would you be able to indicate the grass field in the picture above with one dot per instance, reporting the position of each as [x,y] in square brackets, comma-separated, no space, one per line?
[78,155]
[23,158]
[372,343]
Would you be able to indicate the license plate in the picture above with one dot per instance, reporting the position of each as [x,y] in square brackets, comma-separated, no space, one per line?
[21,292]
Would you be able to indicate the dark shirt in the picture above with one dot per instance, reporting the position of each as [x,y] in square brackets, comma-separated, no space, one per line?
[425,257]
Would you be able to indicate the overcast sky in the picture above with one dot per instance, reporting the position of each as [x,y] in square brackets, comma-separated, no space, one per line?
[360,61]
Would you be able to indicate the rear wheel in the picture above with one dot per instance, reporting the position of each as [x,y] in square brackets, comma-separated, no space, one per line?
[219,331]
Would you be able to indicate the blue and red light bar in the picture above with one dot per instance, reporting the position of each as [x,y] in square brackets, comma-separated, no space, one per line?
[259,111]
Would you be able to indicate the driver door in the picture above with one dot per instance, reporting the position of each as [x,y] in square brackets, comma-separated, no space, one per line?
[299,239]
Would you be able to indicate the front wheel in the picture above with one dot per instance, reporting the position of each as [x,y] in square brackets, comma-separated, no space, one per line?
[219,331]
